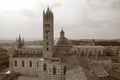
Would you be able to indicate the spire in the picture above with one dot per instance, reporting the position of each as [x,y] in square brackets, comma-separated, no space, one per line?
[48,10]
[62,33]
[19,38]
[20,43]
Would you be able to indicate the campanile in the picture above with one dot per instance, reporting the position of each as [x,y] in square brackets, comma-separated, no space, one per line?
[48,33]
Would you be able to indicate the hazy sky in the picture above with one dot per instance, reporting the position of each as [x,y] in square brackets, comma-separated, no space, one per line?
[80,19]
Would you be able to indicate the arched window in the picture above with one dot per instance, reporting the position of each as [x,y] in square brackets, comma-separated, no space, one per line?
[47,49]
[47,37]
[82,53]
[47,31]
[54,70]
[37,64]
[23,63]
[65,69]
[47,43]
[30,64]
[45,67]
[15,63]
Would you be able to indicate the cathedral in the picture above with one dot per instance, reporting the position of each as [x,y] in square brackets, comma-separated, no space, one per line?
[38,61]
[55,59]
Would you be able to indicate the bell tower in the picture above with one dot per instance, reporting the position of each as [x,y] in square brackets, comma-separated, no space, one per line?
[48,33]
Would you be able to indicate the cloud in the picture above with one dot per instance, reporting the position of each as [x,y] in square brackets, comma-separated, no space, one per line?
[24,12]
[79,18]
[55,5]
[28,13]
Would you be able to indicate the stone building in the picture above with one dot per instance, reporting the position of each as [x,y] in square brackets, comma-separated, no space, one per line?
[4,59]
[90,51]
[38,61]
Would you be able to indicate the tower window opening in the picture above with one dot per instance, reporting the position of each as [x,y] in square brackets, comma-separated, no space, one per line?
[47,25]
[54,70]
[47,49]
[45,67]
[47,31]
[47,37]
[47,43]
[65,69]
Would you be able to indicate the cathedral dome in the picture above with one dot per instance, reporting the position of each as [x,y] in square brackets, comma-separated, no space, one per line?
[62,41]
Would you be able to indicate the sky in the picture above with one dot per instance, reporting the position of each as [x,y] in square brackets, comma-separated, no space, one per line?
[80,19]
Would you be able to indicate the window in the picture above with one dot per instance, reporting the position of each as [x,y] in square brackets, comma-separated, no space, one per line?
[47,31]
[47,25]
[37,64]
[47,37]
[15,63]
[23,63]
[65,70]
[41,52]
[30,64]
[82,53]
[47,43]
[45,67]
[54,70]
[47,49]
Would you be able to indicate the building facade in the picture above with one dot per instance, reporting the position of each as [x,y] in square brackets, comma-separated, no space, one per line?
[4,59]
[90,51]
[38,61]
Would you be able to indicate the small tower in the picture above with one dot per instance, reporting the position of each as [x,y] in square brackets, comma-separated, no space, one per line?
[62,33]
[20,42]
[48,33]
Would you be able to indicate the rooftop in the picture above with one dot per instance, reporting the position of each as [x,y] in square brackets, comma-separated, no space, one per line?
[34,47]
[62,41]
[86,46]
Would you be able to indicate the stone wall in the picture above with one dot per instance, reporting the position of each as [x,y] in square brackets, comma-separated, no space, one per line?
[26,69]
